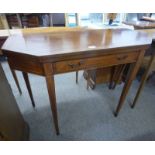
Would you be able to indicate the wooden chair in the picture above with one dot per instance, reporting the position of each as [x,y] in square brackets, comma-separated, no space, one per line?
[112,75]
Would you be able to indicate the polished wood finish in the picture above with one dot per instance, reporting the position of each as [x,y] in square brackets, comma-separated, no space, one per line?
[150,19]
[56,46]
[49,75]
[141,24]
[143,80]
[103,61]
[67,51]
[149,66]
[27,82]
[3,36]
[26,64]
[37,30]
[129,81]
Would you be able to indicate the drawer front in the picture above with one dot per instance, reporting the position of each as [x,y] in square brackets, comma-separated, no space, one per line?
[95,62]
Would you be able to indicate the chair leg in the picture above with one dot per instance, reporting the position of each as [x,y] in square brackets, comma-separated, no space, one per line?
[119,75]
[112,77]
[115,76]
[88,78]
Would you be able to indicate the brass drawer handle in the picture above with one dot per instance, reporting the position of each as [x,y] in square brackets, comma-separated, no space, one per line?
[76,65]
[73,65]
[122,57]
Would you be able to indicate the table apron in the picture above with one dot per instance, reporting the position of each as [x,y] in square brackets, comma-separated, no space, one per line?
[26,66]
[74,65]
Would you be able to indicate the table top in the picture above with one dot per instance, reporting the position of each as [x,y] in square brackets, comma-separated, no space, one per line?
[9,32]
[150,32]
[141,24]
[148,19]
[74,42]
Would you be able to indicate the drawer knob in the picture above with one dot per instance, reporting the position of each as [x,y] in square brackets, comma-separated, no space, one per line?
[72,65]
[122,57]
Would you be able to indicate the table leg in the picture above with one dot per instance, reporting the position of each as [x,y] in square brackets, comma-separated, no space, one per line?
[144,78]
[127,85]
[16,80]
[27,82]
[77,76]
[51,91]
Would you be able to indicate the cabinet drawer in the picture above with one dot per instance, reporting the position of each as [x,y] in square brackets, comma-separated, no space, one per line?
[95,62]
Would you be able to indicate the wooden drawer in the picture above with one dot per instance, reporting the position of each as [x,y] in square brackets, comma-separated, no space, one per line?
[95,62]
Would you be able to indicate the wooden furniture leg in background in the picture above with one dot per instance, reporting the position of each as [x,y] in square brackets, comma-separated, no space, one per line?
[77,77]
[27,82]
[90,77]
[118,76]
[16,80]
[88,80]
[51,92]
[113,72]
[144,78]
[128,82]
